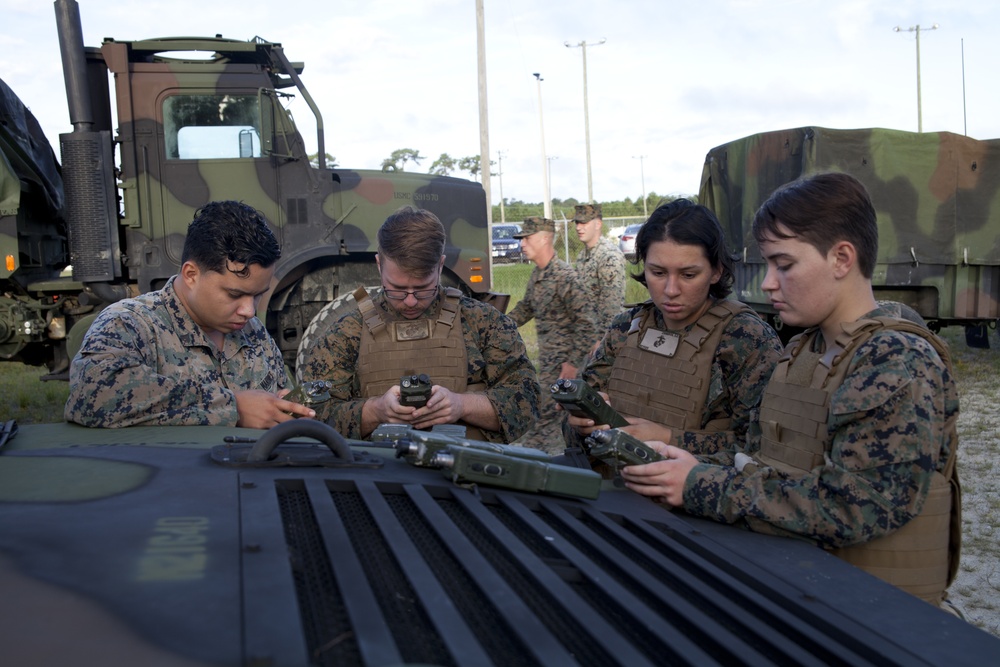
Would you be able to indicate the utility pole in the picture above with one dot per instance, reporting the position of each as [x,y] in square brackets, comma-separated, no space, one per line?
[642,175]
[548,172]
[586,114]
[503,217]
[916,29]
[547,205]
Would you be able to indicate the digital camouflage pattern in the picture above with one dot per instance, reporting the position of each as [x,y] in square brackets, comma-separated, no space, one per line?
[743,363]
[936,194]
[564,322]
[145,361]
[495,352]
[535,224]
[885,438]
[586,212]
[190,132]
[602,272]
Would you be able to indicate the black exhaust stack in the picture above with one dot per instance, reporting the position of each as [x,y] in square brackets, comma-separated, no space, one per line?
[88,165]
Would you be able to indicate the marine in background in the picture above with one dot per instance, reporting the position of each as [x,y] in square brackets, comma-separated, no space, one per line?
[564,321]
[601,266]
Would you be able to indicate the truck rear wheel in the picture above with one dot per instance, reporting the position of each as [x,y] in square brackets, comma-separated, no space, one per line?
[323,320]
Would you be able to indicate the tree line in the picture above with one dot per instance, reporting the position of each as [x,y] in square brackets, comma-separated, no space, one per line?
[515,210]
[443,166]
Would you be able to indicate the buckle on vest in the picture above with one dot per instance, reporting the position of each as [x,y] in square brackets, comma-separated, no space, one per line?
[411,330]
[663,343]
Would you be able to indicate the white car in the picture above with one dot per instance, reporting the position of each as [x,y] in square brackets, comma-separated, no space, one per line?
[627,241]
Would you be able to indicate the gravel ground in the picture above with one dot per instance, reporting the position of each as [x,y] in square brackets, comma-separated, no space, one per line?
[976,590]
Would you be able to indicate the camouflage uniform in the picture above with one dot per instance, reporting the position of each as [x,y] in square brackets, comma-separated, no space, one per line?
[495,352]
[741,367]
[145,361]
[564,321]
[602,271]
[885,438]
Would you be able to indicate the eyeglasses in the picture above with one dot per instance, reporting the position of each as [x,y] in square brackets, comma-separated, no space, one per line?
[419,295]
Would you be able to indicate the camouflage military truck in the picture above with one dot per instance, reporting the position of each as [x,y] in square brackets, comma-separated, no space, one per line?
[937,196]
[190,131]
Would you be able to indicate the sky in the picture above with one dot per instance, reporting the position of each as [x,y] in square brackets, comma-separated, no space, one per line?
[671,81]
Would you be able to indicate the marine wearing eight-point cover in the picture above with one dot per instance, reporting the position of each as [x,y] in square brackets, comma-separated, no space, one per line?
[145,361]
[602,272]
[565,325]
[495,360]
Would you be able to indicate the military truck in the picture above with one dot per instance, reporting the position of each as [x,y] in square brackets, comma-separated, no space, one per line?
[179,546]
[937,196]
[198,119]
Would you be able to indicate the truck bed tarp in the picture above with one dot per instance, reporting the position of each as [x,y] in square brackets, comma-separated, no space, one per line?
[937,194]
[25,155]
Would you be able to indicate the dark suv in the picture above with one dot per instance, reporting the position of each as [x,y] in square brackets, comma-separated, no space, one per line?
[505,247]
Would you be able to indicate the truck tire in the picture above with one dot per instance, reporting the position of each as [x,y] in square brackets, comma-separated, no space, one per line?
[323,320]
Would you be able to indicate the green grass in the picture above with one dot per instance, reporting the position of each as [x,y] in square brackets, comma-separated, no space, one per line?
[24,397]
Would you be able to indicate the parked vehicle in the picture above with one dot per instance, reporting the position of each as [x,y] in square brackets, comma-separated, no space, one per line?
[506,248]
[208,545]
[627,241]
[935,196]
[190,131]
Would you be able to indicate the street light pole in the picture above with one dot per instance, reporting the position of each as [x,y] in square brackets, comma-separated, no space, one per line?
[586,114]
[916,29]
[548,173]
[642,175]
[547,205]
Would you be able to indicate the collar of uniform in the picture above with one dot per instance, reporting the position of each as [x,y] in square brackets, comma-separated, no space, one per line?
[602,241]
[550,268]
[189,333]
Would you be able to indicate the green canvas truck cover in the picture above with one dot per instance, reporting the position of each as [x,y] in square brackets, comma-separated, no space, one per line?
[937,196]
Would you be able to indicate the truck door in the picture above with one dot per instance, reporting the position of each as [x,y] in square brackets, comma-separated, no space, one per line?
[213,148]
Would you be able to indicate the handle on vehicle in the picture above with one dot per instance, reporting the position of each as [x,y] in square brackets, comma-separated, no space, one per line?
[300,428]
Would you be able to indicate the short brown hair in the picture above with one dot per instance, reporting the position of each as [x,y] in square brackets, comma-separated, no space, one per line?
[822,210]
[414,239]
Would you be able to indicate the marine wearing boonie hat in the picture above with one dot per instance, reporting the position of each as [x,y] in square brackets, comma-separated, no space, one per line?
[533,225]
[587,212]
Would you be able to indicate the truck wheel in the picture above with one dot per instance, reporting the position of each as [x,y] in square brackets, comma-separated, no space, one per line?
[323,320]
